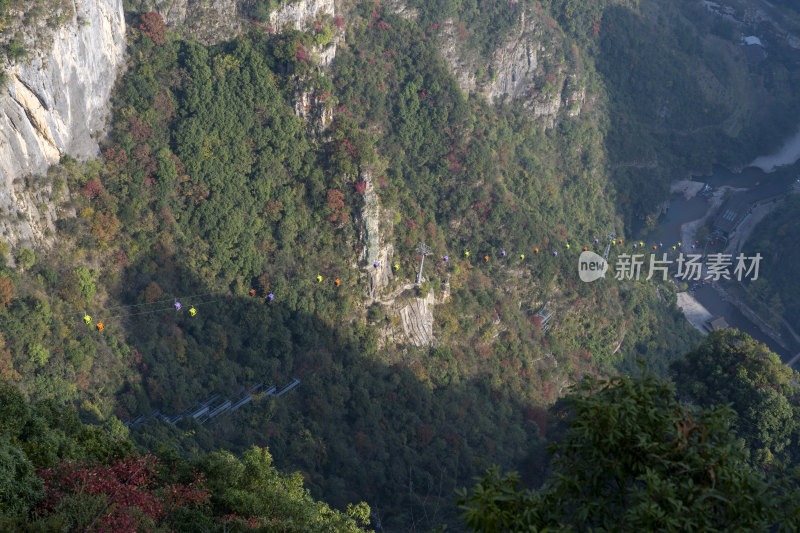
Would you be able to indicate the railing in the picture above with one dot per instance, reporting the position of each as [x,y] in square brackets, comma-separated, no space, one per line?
[212,407]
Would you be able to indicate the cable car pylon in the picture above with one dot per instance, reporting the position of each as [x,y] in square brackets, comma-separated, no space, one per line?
[423,250]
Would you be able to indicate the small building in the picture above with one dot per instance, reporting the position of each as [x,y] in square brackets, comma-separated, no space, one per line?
[753,49]
[730,216]
[716,323]
[752,40]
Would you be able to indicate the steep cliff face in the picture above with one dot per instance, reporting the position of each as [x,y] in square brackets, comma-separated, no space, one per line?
[521,67]
[208,21]
[417,319]
[308,16]
[412,316]
[301,16]
[376,256]
[56,102]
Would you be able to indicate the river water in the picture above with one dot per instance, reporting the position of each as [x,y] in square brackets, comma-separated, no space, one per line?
[788,154]
[758,185]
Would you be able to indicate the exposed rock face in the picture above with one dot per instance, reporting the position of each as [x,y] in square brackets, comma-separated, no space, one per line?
[416,314]
[379,277]
[55,103]
[515,69]
[511,70]
[300,15]
[209,21]
[370,213]
[399,7]
[373,252]
[417,319]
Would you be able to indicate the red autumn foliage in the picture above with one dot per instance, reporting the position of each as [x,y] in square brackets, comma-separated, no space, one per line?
[273,208]
[361,187]
[116,156]
[336,204]
[129,485]
[6,292]
[104,226]
[338,22]
[141,154]
[139,130]
[92,189]
[302,53]
[347,146]
[153,26]
[538,416]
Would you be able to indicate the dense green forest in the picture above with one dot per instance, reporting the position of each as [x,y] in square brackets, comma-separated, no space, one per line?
[775,290]
[626,452]
[58,474]
[635,457]
[211,191]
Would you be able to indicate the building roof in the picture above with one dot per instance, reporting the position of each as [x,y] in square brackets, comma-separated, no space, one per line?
[752,39]
[730,215]
[717,323]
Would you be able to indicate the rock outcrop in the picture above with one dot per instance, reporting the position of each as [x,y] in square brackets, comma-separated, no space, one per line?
[56,102]
[416,314]
[515,69]
[417,317]
[300,15]
[209,21]
[374,253]
[303,15]
[511,69]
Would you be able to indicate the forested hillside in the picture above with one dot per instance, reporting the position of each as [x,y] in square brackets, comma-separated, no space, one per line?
[637,456]
[58,474]
[233,182]
[777,287]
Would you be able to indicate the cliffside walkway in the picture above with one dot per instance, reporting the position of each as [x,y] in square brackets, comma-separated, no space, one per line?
[214,406]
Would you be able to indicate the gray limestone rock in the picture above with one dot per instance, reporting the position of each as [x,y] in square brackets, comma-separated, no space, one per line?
[57,102]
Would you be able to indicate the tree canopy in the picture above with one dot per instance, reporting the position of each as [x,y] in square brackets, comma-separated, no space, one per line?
[730,368]
[634,458]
